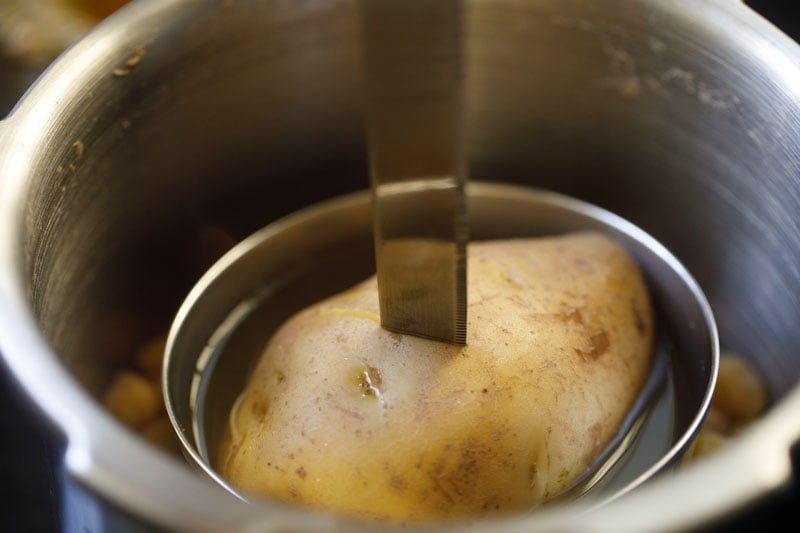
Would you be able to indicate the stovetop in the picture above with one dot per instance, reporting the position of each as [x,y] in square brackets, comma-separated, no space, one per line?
[30,450]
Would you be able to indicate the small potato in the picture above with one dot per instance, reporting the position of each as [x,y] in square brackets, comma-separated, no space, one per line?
[133,399]
[740,393]
[159,432]
[739,397]
[150,357]
[718,421]
[707,442]
[343,415]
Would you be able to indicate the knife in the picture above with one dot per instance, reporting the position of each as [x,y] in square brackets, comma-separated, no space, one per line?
[413,70]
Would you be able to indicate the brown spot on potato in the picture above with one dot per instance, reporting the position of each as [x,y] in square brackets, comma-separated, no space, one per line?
[398,482]
[294,495]
[533,474]
[600,343]
[638,319]
[491,504]
[259,409]
[571,314]
[470,464]
[301,472]
[397,339]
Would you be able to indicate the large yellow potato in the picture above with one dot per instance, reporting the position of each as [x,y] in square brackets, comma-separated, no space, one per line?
[342,415]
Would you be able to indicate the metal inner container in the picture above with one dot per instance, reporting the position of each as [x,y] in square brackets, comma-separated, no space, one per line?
[230,314]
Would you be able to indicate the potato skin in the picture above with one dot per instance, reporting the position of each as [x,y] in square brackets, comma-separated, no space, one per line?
[342,415]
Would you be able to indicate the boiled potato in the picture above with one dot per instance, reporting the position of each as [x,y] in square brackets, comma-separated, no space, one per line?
[740,397]
[343,415]
[133,399]
[740,392]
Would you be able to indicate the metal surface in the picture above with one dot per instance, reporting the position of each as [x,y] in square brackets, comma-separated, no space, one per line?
[414,82]
[683,117]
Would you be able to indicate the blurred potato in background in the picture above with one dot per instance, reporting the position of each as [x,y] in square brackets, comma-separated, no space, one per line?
[34,32]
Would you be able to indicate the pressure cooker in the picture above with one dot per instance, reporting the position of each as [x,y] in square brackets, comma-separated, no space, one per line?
[173,116]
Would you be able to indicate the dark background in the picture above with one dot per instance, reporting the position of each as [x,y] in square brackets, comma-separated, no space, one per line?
[30,448]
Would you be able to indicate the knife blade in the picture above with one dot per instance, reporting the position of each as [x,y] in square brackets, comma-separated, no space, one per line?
[413,68]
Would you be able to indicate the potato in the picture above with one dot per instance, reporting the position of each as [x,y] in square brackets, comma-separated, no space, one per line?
[740,392]
[708,441]
[160,433]
[150,357]
[740,397]
[343,415]
[133,399]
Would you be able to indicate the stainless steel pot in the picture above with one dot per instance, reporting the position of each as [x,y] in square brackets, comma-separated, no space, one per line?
[177,115]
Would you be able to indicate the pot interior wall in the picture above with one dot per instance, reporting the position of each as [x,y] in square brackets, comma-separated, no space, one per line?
[237,115]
